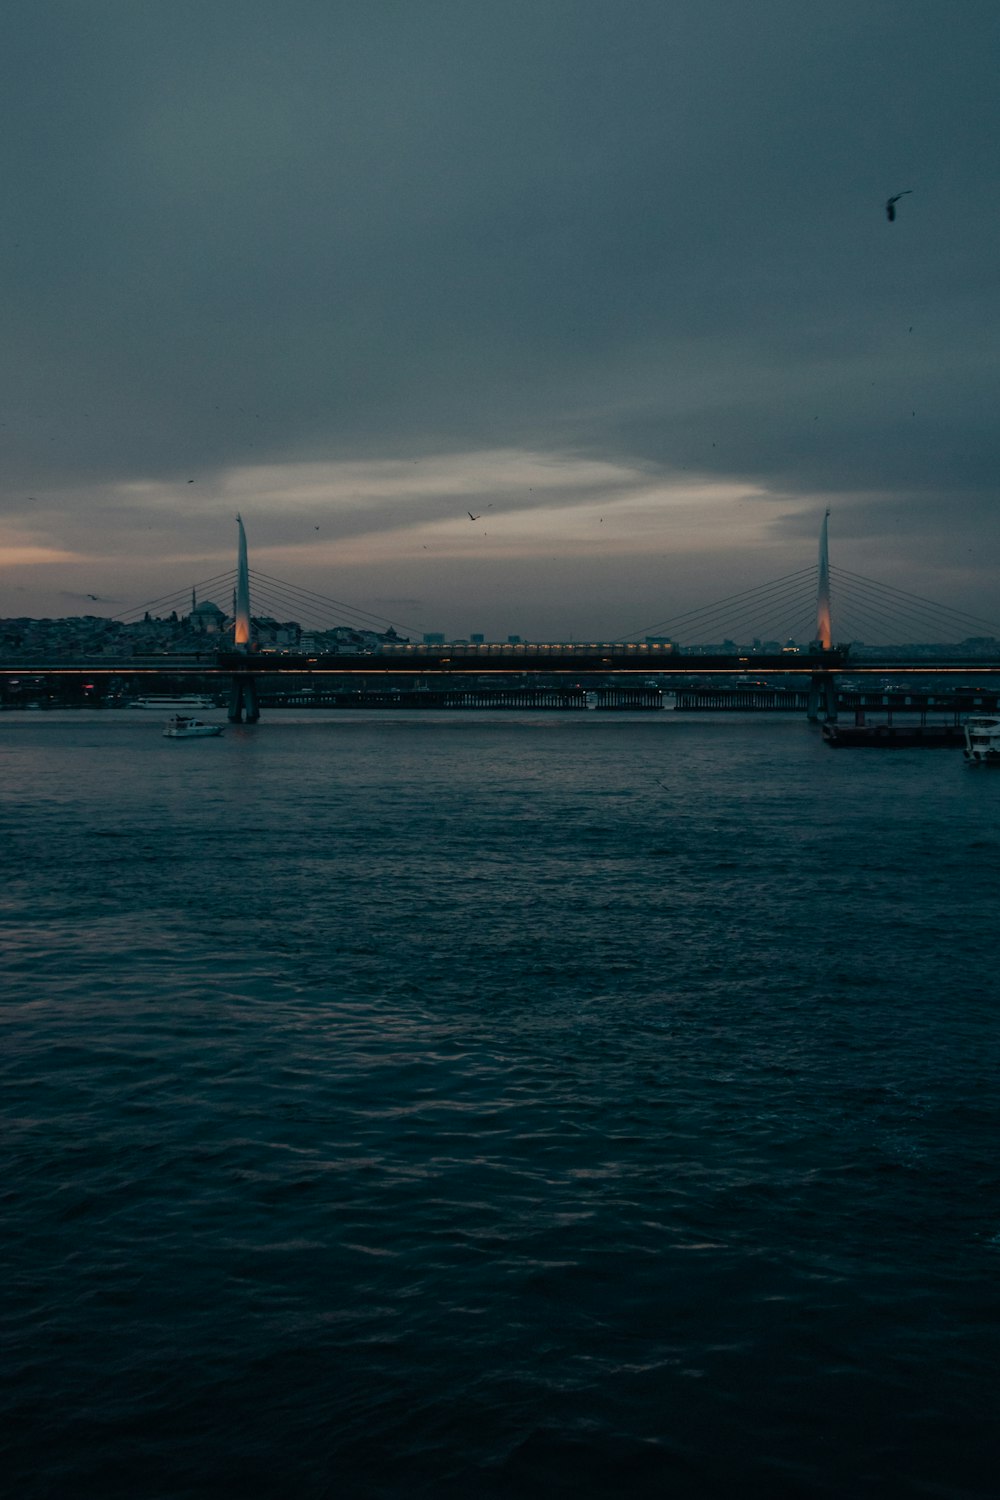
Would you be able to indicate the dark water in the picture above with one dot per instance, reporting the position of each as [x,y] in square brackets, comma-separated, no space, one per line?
[488,1106]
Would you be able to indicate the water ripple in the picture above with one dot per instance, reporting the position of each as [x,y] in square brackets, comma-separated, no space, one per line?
[461,1110]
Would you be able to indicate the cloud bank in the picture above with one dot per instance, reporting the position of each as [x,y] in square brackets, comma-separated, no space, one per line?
[369,267]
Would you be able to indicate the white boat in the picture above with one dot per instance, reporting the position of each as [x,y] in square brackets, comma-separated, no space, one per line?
[184,727]
[982,740]
[185,703]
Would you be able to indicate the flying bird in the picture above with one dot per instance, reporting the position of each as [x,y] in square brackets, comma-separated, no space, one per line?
[890,205]
[471,516]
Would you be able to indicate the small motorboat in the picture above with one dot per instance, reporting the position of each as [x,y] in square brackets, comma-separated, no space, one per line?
[982,740]
[184,727]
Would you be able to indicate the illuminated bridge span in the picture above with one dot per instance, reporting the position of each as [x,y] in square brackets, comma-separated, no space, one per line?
[256,657]
[797,607]
[560,662]
[392,657]
[505,651]
[538,657]
[505,670]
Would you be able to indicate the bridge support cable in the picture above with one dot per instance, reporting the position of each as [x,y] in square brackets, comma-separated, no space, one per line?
[326,607]
[694,618]
[849,605]
[283,604]
[180,598]
[278,605]
[788,612]
[868,611]
[919,599]
[881,605]
[800,584]
[858,622]
[270,595]
[907,616]
[784,614]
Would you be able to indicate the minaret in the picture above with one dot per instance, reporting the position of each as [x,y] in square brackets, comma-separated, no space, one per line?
[824,634]
[241,638]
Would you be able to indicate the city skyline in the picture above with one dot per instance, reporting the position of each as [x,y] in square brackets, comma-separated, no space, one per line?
[558,318]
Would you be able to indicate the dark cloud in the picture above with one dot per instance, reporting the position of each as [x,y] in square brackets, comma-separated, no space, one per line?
[239,235]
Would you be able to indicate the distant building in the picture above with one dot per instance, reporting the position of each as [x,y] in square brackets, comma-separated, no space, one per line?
[271,632]
[207,618]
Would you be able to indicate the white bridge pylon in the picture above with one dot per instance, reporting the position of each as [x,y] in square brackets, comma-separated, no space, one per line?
[824,633]
[822,688]
[243,703]
[241,637]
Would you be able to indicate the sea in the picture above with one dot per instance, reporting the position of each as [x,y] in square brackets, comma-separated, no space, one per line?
[496,1105]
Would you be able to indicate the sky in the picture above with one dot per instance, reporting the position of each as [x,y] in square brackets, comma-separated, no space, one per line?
[613,276]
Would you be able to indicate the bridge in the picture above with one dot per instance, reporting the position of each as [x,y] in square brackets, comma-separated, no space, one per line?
[384,666]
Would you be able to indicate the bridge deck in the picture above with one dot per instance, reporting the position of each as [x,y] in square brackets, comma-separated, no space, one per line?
[504,661]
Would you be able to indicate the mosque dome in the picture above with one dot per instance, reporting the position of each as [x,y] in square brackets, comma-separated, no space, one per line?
[207,617]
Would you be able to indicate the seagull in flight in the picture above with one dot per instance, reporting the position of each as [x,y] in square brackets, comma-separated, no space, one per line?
[890,205]
[471,516]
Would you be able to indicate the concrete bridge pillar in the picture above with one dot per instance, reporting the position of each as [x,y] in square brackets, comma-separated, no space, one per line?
[243,705]
[822,698]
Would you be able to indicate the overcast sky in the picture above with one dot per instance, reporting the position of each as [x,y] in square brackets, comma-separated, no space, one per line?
[615,276]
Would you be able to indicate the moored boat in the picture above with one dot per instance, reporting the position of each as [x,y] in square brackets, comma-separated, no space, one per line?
[982,740]
[184,727]
[892,736]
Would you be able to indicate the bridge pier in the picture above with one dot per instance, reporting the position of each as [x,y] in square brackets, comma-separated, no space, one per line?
[243,705]
[822,699]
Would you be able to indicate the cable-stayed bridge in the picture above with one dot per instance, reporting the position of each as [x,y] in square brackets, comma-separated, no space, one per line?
[775,613]
[783,629]
[797,607]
